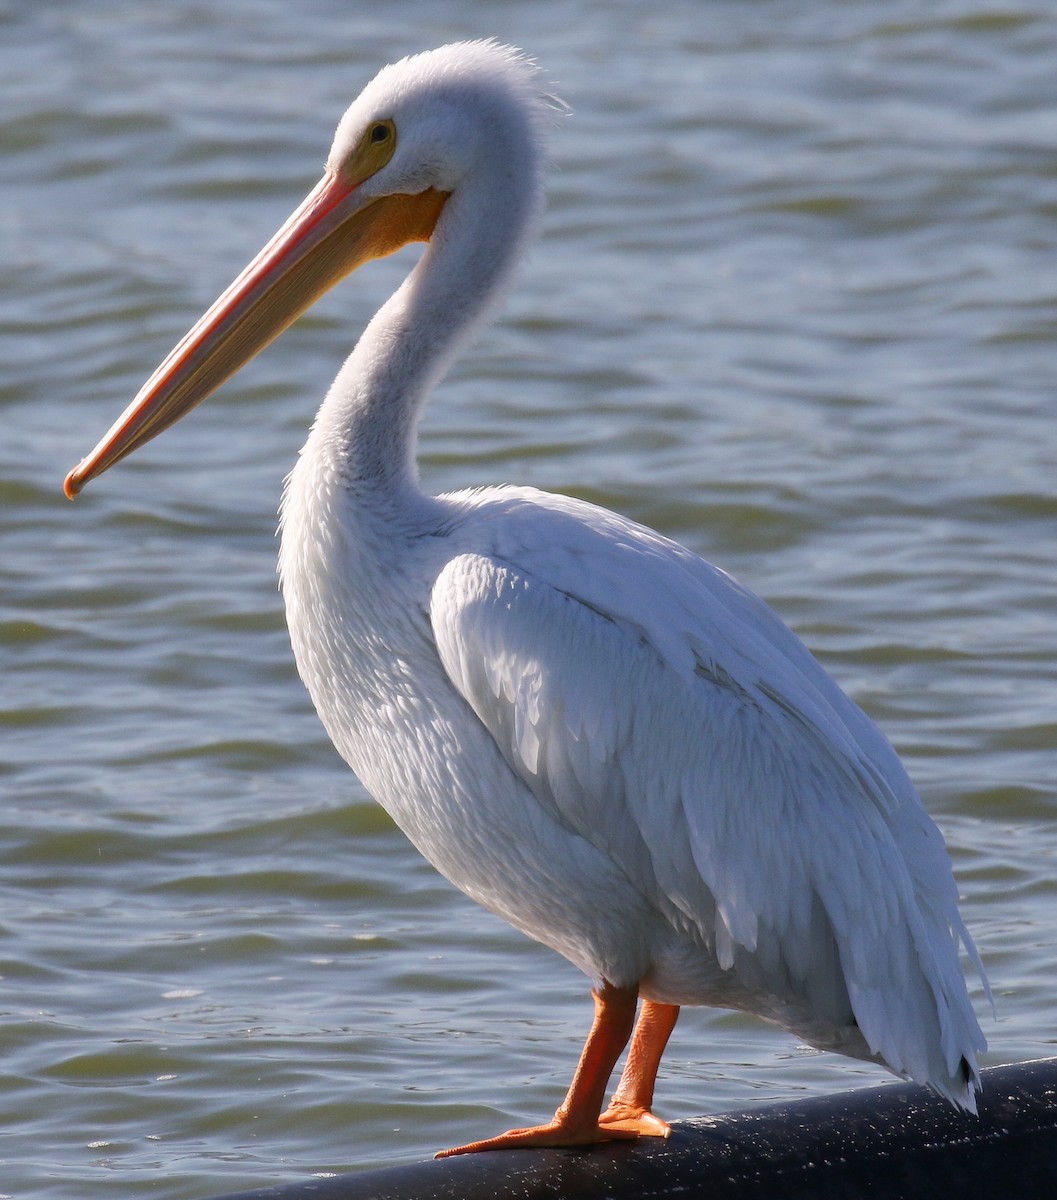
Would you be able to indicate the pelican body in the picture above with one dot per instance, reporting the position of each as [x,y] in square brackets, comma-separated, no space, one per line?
[585,727]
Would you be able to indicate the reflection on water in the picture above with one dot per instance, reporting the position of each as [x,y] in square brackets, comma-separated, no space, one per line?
[793,306]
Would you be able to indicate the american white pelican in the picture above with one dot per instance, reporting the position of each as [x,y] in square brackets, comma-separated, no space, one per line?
[586,728]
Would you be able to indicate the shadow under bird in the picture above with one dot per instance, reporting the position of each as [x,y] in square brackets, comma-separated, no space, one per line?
[585,727]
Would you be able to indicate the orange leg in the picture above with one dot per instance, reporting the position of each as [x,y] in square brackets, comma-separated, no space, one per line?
[576,1121]
[630,1108]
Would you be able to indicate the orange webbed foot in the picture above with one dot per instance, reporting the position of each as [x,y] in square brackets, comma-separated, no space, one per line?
[634,1121]
[576,1122]
[554,1133]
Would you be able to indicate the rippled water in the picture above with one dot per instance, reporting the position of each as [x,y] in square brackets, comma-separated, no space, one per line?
[794,304]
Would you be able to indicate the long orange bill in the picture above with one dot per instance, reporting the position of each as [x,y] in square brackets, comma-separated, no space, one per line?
[333,232]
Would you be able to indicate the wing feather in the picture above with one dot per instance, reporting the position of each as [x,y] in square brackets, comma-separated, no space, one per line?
[665,714]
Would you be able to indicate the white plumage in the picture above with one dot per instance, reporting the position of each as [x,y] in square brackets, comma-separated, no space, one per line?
[588,729]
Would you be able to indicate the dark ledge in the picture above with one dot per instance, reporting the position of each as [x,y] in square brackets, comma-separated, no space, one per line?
[894,1142]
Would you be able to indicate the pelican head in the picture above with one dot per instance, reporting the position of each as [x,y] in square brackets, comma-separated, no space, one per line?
[423,131]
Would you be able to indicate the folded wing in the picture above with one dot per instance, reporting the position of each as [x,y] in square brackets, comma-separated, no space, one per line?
[665,714]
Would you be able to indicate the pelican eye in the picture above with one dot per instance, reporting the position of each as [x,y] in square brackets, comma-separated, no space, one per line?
[376,147]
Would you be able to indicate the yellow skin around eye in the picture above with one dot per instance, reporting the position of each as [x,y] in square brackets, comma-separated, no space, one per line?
[372,153]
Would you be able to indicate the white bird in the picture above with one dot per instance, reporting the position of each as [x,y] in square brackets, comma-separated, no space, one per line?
[586,728]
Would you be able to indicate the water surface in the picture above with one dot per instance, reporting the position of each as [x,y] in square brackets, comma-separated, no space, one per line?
[794,305]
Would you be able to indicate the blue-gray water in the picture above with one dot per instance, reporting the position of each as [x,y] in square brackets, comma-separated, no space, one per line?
[794,304]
